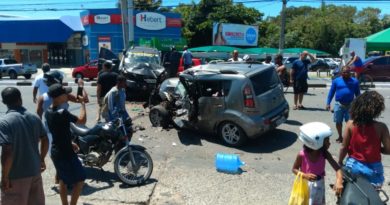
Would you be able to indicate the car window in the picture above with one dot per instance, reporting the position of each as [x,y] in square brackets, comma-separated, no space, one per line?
[210,88]
[380,61]
[264,81]
[10,61]
[95,63]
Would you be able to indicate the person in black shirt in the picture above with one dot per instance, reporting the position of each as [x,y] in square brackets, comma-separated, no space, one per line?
[106,80]
[174,59]
[65,160]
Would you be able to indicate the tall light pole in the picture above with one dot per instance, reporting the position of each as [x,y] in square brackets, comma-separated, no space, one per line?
[125,24]
[282,27]
[130,10]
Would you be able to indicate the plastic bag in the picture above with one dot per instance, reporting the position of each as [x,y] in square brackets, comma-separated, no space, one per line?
[300,191]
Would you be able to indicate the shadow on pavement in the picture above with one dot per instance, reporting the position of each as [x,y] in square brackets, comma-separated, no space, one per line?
[314,109]
[102,179]
[126,186]
[189,137]
[267,143]
[270,142]
[293,122]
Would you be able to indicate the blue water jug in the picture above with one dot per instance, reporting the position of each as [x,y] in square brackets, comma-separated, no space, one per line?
[229,163]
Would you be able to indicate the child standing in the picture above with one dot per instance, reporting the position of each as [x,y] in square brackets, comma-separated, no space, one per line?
[311,161]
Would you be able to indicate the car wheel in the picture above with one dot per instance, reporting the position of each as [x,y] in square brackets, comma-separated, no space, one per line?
[159,116]
[12,75]
[232,134]
[79,76]
[27,76]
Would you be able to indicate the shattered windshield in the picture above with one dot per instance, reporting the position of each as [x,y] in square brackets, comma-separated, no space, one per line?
[133,58]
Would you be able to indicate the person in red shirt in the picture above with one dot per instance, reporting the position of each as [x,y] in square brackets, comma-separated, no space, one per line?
[364,138]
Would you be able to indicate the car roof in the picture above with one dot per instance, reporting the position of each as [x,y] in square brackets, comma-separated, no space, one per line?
[227,68]
[143,49]
[372,58]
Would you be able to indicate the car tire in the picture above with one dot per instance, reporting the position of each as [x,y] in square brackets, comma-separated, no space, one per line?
[159,116]
[27,76]
[13,75]
[79,76]
[232,134]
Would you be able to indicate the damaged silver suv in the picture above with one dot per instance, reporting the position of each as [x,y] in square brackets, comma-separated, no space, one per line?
[236,101]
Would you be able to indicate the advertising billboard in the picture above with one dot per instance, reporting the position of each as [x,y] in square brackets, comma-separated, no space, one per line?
[235,34]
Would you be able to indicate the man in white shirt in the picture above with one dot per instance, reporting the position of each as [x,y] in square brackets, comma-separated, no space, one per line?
[268,61]
[235,57]
[39,84]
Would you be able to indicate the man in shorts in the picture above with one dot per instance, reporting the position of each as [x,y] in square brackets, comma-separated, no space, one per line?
[21,160]
[63,152]
[298,78]
[346,89]
[356,63]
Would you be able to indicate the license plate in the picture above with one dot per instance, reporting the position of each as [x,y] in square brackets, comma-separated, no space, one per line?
[280,121]
[150,80]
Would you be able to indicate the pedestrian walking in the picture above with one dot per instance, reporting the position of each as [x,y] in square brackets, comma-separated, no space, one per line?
[114,101]
[310,161]
[63,153]
[346,88]
[187,58]
[364,138]
[39,84]
[298,77]
[106,80]
[21,160]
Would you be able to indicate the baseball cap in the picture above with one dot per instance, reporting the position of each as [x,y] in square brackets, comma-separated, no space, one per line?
[56,90]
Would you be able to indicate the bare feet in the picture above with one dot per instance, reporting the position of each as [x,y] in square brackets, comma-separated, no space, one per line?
[339,140]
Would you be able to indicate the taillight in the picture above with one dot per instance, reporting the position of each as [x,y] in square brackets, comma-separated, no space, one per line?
[249,100]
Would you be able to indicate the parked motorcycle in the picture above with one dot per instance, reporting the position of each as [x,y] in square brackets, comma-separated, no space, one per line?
[358,190]
[132,164]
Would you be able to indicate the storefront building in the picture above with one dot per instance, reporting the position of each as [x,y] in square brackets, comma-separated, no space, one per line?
[73,40]
[103,28]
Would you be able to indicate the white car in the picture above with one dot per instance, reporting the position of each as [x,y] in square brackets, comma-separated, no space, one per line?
[332,64]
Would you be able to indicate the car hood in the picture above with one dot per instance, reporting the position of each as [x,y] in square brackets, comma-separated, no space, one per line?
[146,69]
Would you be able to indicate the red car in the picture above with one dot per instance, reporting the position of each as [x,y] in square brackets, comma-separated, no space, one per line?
[195,62]
[89,70]
[378,68]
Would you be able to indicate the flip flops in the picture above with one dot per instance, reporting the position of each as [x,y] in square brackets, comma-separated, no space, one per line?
[295,107]
[301,107]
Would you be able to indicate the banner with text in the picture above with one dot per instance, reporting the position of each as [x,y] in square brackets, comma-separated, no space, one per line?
[235,34]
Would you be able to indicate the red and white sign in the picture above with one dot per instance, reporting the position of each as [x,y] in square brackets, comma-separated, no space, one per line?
[105,42]
[151,21]
[102,19]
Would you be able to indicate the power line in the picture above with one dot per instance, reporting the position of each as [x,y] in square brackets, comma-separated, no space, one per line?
[57,3]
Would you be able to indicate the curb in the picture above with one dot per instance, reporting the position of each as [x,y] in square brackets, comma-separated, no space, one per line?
[28,83]
[94,84]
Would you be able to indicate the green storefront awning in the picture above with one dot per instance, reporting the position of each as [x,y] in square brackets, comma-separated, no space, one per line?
[379,41]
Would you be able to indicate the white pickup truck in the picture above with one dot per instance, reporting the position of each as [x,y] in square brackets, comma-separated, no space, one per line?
[13,69]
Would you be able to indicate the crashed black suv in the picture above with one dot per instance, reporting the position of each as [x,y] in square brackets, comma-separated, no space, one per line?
[142,68]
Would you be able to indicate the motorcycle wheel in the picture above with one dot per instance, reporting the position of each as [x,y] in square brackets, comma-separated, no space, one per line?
[126,173]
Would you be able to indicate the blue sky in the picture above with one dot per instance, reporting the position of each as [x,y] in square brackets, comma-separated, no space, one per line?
[66,7]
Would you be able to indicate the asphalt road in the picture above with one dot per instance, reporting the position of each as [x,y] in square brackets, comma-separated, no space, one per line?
[184,170]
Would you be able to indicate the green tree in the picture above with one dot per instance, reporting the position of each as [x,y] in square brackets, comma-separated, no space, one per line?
[147,5]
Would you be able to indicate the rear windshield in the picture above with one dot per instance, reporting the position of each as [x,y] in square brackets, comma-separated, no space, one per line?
[264,81]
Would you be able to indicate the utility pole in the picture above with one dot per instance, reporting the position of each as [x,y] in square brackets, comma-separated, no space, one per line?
[125,24]
[282,27]
[130,10]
